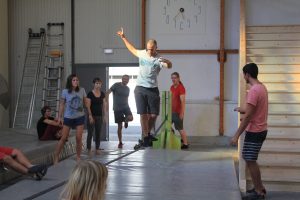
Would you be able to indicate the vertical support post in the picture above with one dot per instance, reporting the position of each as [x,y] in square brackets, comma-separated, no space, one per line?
[242,91]
[222,62]
[143,34]
[163,114]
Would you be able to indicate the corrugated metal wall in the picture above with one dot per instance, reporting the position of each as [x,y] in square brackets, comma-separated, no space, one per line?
[3,60]
[96,24]
[34,14]
[3,39]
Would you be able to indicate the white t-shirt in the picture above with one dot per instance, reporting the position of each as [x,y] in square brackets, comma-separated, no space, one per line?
[149,69]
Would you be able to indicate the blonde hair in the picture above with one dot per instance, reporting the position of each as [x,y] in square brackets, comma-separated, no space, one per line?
[87,182]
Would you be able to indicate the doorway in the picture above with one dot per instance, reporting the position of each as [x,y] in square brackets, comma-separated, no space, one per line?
[133,132]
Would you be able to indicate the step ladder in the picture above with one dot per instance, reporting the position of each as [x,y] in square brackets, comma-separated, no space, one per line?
[29,81]
[54,65]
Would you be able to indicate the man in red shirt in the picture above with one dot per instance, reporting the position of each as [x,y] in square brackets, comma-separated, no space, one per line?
[254,122]
[178,107]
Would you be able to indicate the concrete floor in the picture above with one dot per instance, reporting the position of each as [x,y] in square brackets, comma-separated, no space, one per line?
[146,174]
[205,171]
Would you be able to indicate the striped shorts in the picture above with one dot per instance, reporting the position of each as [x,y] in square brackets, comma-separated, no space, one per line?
[252,145]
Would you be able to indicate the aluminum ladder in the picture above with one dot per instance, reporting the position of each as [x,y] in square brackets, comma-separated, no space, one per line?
[28,85]
[54,66]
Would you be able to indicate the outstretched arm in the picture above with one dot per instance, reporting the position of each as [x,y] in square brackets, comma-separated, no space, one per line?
[129,46]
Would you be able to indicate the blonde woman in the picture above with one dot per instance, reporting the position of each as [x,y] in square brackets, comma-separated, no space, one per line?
[87,182]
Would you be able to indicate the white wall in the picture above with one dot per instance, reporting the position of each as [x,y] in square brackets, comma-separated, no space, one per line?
[34,14]
[3,56]
[200,73]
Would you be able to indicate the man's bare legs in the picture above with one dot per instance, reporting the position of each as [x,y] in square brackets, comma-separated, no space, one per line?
[144,124]
[255,176]
[151,121]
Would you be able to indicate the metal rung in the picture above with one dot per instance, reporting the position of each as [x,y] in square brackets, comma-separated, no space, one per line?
[54,35]
[49,100]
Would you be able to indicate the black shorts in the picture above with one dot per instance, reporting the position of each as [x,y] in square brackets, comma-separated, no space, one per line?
[120,115]
[252,145]
[178,123]
[147,100]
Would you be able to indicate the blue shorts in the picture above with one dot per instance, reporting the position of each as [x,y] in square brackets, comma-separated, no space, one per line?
[73,123]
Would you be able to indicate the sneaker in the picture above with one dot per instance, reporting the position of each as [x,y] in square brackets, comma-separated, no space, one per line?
[152,138]
[254,196]
[38,171]
[146,142]
[126,124]
[253,190]
[184,146]
[120,145]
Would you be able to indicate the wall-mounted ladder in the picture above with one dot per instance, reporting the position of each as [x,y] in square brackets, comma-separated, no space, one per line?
[28,85]
[54,65]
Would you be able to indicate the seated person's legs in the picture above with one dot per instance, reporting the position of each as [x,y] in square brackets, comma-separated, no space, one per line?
[52,133]
[16,160]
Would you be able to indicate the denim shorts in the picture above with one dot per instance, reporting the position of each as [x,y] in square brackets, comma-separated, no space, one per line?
[73,123]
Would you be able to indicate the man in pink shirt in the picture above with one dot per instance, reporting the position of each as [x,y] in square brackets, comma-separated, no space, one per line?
[254,122]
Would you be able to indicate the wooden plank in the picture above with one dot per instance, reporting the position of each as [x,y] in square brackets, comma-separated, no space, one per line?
[287,120]
[279,160]
[282,186]
[273,36]
[273,29]
[273,44]
[242,90]
[291,78]
[283,132]
[283,87]
[143,21]
[282,174]
[283,107]
[287,97]
[274,60]
[279,69]
[291,145]
[222,64]
[273,52]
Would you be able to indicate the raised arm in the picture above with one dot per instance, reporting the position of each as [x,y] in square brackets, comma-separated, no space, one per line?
[129,46]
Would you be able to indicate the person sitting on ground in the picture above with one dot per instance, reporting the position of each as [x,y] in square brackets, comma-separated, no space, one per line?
[15,159]
[86,182]
[47,127]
